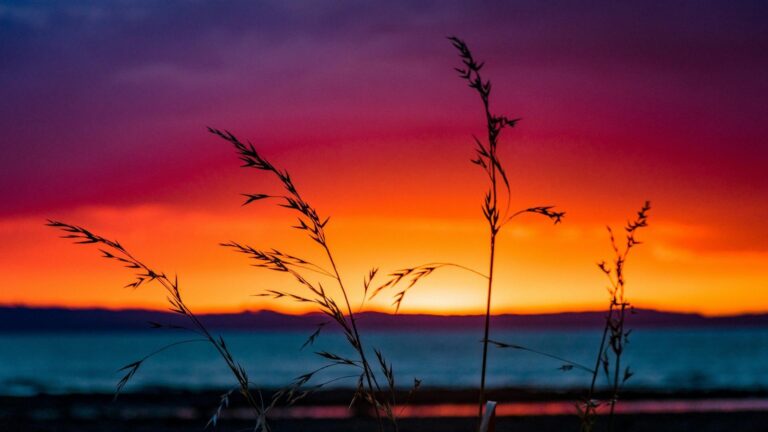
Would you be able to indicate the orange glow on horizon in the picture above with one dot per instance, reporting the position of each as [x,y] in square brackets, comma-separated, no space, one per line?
[541,268]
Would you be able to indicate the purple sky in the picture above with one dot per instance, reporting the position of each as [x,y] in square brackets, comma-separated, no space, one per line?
[96,92]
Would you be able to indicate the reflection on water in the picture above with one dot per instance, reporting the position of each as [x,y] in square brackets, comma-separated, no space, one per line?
[510,409]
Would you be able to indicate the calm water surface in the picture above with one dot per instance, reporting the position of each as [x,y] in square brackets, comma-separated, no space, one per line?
[662,359]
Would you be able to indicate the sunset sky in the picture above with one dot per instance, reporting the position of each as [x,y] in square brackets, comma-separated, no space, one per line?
[103,109]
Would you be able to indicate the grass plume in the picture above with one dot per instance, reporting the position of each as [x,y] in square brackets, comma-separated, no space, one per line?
[143,274]
[615,335]
[496,205]
[310,223]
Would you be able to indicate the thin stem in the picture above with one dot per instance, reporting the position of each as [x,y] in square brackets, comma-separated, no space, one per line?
[494,230]
[314,268]
[588,407]
[542,353]
[159,350]
[617,366]
[481,402]
[366,367]
[447,264]
[599,354]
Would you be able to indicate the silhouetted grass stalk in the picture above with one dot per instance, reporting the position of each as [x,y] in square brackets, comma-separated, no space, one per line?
[144,274]
[614,334]
[567,364]
[313,225]
[486,157]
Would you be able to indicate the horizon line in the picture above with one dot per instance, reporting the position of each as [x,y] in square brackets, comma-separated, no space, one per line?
[299,314]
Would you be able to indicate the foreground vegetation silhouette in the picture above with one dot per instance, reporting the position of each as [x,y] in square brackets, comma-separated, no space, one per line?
[615,335]
[375,379]
[144,274]
[496,203]
[310,223]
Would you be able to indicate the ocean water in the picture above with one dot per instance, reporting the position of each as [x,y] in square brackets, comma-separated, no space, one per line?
[662,359]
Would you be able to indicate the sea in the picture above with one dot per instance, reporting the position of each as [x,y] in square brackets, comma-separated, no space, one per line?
[660,359]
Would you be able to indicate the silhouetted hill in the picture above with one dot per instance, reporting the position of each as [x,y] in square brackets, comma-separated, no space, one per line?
[14,319]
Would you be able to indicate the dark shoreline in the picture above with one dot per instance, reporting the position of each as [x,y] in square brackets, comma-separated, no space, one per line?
[431,395]
[165,410]
[24,319]
[699,422]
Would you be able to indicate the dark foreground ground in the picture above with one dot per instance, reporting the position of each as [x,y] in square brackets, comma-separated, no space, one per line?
[660,423]
[167,411]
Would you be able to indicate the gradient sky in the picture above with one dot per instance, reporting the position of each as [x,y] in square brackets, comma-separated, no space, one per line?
[103,108]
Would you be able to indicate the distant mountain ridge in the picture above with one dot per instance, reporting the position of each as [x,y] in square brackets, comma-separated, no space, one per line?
[17,319]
